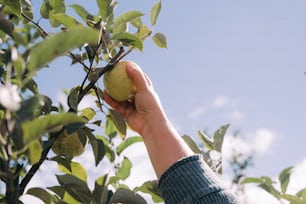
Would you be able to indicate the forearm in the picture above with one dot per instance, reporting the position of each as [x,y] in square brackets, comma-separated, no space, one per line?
[164,145]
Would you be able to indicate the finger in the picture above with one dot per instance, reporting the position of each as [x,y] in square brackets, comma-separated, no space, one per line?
[141,81]
[114,104]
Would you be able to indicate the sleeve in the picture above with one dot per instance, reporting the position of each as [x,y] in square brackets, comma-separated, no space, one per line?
[190,180]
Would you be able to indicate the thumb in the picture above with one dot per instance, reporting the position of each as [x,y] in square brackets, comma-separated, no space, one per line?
[140,80]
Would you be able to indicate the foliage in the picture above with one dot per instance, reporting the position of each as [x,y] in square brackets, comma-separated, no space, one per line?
[212,148]
[30,122]
[279,192]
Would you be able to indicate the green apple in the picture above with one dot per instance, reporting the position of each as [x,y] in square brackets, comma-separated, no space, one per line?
[118,84]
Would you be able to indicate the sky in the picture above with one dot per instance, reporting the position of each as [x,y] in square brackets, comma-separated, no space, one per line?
[228,62]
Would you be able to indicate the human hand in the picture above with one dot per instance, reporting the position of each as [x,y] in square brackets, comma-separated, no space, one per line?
[145,110]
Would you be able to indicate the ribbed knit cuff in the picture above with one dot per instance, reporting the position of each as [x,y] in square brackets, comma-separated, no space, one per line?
[187,180]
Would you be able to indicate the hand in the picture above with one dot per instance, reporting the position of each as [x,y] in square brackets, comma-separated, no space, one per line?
[145,108]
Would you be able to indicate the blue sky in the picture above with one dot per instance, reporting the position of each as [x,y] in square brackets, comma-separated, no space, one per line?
[228,62]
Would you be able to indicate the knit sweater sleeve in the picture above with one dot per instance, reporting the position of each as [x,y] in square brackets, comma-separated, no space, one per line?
[190,180]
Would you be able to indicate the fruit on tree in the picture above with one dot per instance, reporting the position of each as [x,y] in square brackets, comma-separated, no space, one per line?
[70,145]
[118,84]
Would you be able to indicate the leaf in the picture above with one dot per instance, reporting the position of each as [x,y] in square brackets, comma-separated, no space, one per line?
[128,142]
[127,17]
[33,130]
[155,12]
[302,194]
[82,12]
[160,40]
[292,199]
[73,98]
[40,193]
[62,160]
[45,9]
[76,170]
[77,188]
[119,122]
[125,169]
[151,188]
[58,6]
[110,129]
[208,143]
[65,20]
[59,190]
[129,40]
[100,192]
[49,49]
[88,113]
[34,151]
[6,26]
[284,178]
[143,32]
[192,144]
[97,146]
[251,180]
[127,196]
[106,8]
[13,5]
[219,136]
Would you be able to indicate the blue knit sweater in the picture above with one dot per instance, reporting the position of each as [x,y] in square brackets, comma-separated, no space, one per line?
[190,180]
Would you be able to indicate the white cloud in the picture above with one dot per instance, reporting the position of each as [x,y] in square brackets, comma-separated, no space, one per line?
[221,101]
[255,144]
[236,115]
[255,195]
[197,112]
[262,140]
[297,179]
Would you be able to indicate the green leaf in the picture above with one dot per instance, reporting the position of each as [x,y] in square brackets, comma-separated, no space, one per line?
[302,194]
[125,169]
[33,130]
[128,142]
[155,12]
[292,199]
[123,195]
[45,9]
[73,98]
[219,136]
[13,5]
[88,113]
[284,178]
[251,180]
[97,145]
[192,144]
[6,26]
[63,161]
[59,190]
[208,143]
[151,188]
[160,40]
[40,193]
[110,129]
[34,151]
[127,17]
[129,40]
[76,170]
[119,122]
[100,192]
[65,20]
[58,6]
[77,188]
[143,32]
[82,12]
[49,49]
[106,8]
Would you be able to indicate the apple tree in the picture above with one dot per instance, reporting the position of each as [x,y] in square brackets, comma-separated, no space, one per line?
[31,124]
